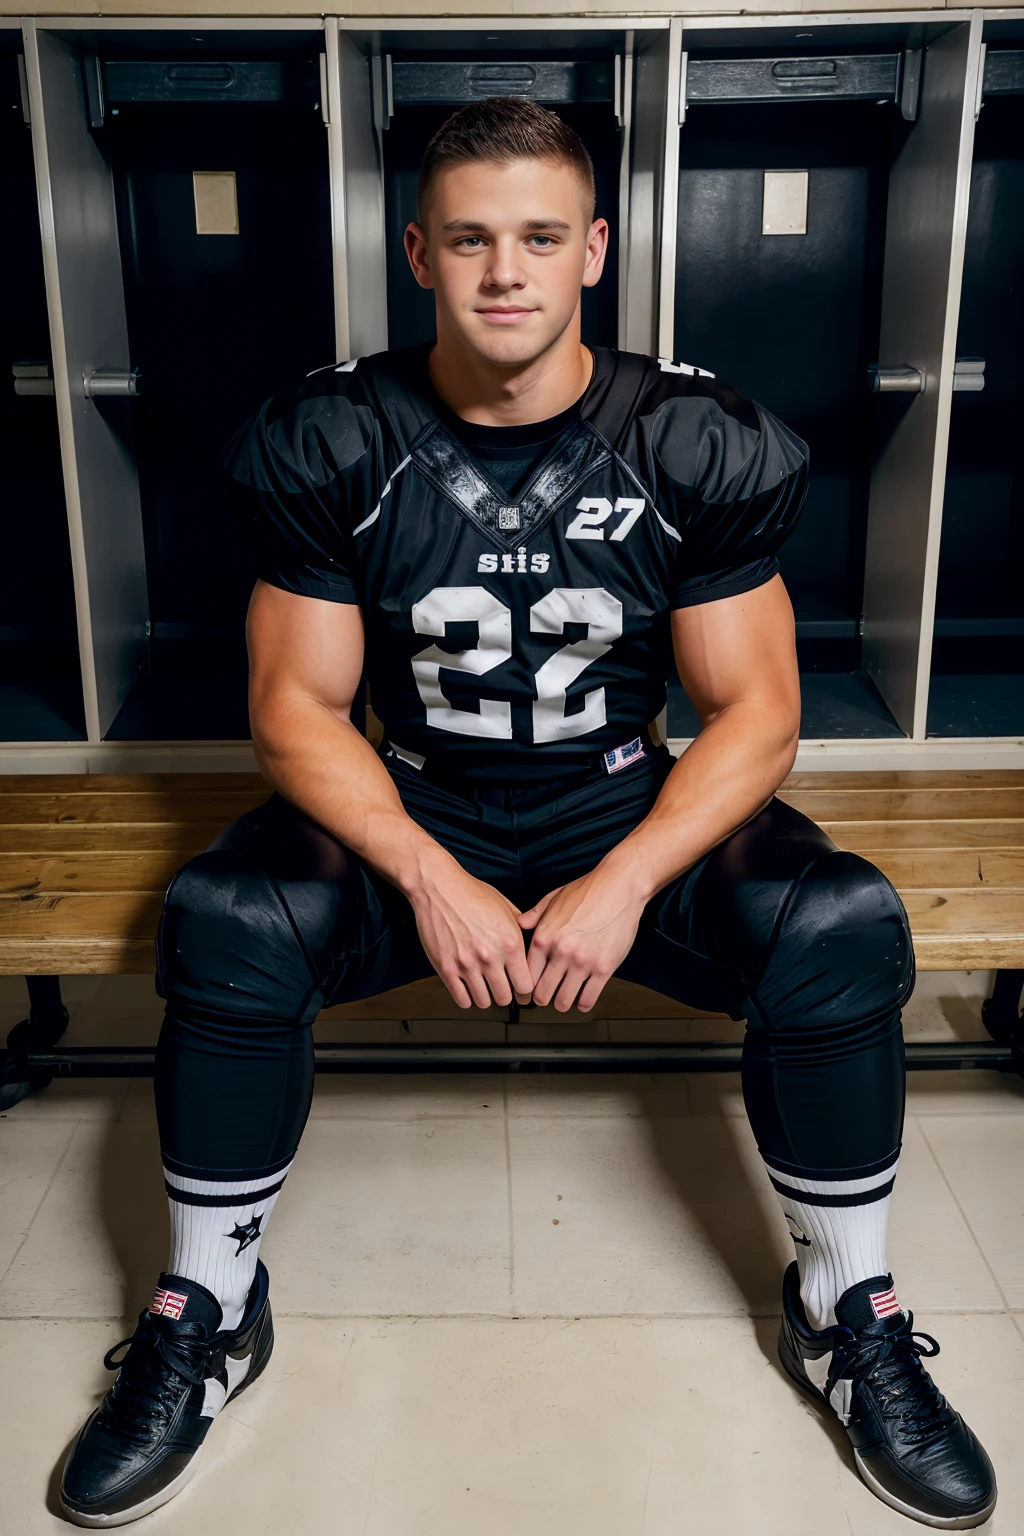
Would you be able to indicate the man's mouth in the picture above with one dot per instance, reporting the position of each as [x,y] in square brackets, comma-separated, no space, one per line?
[505,314]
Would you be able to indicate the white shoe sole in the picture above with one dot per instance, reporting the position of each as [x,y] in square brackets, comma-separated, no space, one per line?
[126,1516]
[939,1522]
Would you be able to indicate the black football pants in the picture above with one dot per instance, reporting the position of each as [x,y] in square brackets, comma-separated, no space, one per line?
[277,920]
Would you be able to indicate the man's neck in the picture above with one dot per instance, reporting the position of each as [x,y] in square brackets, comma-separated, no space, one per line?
[491,395]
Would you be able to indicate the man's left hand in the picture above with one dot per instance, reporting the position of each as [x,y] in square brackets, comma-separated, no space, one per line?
[582,933]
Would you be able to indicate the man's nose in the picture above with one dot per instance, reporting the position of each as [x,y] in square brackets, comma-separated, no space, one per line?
[505,269]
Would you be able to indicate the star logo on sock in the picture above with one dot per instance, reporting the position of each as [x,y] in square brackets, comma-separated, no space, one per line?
[245,1235]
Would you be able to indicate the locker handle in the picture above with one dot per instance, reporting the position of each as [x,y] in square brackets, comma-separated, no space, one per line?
[803,69]
[216,76]
[515,79]
[112,381]
[903,381]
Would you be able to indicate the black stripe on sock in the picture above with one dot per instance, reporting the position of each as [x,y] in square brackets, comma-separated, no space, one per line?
[858,1197]
[254,1196]
[228,1175]
[832,1175]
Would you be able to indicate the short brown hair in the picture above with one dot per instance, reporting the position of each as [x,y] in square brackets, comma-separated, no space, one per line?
[501,129]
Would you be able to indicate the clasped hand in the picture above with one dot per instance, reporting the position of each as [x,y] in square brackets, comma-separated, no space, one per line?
[476,940]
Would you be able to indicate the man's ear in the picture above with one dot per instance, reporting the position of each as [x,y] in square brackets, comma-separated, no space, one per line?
[416,250]
[597,250]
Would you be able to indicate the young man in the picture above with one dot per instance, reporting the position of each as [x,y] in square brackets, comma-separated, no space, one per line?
[512,535]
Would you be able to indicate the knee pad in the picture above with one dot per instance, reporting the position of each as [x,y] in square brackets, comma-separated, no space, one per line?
[841,953]
[229,944]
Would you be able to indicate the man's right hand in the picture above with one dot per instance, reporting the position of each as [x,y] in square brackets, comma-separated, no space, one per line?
[472,937]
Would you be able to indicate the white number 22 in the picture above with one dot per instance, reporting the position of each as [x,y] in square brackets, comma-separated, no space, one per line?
[593,606]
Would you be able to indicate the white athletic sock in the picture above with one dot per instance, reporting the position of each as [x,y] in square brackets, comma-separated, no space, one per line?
[217,1222]
[838,1225]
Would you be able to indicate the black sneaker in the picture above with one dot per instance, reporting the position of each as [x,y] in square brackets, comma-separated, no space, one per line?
[140,1447]
[912,1449]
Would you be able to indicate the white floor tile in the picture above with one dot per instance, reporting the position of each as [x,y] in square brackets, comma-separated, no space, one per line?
[401,1096]
[676,1216]
[395,1217]
[641,1216]
[982,1157]
[964,1093]
[75,1098]
[30,1154]
[99,1238]
[599,1095]
[459,1427]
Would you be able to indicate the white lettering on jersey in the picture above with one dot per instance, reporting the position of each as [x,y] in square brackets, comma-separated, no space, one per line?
[593,606]
[602,614]
[668,366]
[431,616]
[593,511]
[487,564]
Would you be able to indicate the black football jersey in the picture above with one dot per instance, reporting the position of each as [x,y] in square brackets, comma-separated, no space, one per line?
[513,642]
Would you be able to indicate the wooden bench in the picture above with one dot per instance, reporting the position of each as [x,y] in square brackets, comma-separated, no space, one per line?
[84,862]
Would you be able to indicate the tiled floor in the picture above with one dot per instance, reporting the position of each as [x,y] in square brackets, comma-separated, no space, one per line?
[522,1306]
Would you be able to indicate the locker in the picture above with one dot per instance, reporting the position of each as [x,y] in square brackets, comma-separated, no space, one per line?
[423,91]
[40,681]
[787,155]
[977,683]
[219,163]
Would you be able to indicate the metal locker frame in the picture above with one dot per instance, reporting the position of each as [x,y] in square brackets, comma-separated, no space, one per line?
[88,331]
[926,233]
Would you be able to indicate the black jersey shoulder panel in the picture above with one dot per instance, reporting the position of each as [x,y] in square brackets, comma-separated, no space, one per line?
[725,474]
[301,473]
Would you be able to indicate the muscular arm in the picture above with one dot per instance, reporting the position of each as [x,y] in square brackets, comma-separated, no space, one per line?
[305,663]
[737,661]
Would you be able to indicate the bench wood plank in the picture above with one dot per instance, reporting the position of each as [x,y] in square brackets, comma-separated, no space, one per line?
[152,870]
[84,860]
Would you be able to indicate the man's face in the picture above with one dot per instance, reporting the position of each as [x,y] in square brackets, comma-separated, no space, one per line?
[507,249]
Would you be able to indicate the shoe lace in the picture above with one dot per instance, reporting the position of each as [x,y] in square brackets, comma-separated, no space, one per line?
[899,1382]
[145,1387]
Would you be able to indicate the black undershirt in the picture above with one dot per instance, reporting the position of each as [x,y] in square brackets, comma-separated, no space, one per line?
[511,454]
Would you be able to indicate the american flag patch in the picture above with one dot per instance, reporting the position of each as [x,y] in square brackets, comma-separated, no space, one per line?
[884,1303]
[168,1303]
[621,757]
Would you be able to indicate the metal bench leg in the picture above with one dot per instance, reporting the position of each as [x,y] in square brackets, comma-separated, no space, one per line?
[1000,1013]
[46,1022]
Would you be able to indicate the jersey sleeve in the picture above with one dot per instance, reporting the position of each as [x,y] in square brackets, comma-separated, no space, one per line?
[300,475]
[732,480]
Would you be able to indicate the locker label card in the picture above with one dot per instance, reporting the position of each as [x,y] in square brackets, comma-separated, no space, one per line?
[785,203]
[216,202]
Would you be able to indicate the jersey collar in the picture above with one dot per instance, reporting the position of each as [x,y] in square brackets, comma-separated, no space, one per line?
[456,474]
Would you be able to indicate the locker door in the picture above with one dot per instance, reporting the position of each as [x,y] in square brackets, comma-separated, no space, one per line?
[40,681]
[779,266]
[977,686]
[425,91]
[220,167]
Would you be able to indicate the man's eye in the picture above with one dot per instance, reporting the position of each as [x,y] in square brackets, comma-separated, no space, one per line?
[471,242]
[543,241]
